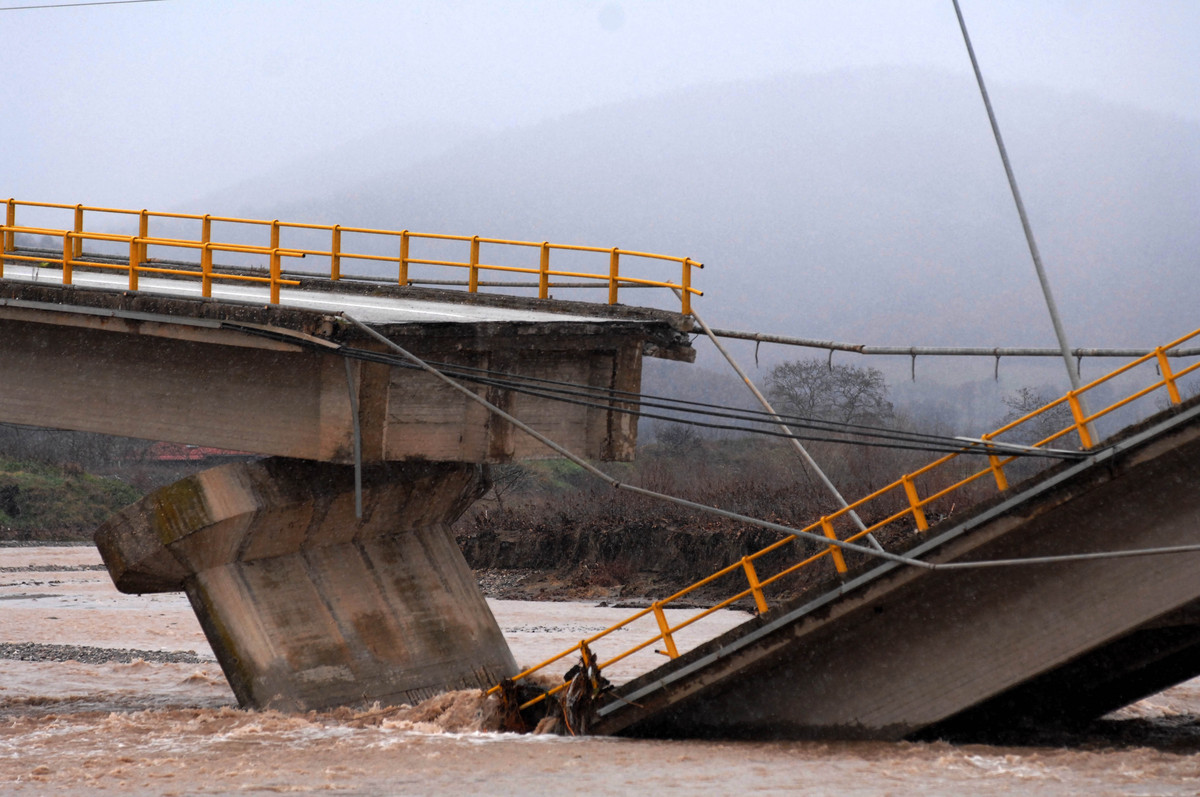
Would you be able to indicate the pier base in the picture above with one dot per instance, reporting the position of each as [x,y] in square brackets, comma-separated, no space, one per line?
[305,605]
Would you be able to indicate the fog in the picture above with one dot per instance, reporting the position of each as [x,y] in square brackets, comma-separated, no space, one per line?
[830,163]
[155,103]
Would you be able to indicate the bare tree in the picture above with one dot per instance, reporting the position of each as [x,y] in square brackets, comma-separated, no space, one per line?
[1025,400]
[677,439]
[840,393]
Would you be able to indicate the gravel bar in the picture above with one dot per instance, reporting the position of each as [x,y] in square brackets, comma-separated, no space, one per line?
[52,569]
[36,651]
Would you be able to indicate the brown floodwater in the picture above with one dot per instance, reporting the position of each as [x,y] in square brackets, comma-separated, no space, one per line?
[147,727]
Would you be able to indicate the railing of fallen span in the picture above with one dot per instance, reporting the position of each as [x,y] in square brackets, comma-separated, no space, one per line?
[904,492]
[622,268]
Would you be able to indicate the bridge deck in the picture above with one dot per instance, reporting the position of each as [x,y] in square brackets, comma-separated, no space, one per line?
[389,308]
[163,363]
[896,652]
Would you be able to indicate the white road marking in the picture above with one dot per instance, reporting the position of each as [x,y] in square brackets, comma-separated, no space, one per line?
[376,310]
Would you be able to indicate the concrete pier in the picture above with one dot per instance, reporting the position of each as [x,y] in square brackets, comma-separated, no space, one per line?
[305,605]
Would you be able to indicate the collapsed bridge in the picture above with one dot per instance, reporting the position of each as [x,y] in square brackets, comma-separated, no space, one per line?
[327,575]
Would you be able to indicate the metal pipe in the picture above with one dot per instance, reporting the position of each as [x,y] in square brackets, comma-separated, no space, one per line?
[1059,331]
[358,512]
[799,533]
[800,449]
[942,351]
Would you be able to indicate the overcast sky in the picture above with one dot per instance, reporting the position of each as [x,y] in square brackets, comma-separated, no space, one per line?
[145,105]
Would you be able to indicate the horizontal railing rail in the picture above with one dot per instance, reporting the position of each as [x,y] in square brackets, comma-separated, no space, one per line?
[547,277]
[903,491]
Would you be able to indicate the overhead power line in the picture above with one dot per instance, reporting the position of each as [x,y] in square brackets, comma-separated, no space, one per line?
[701,414]
[712,510]
[76,5]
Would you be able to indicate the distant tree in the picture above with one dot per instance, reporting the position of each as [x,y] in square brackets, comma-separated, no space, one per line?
[1025,400]
[842,393]
[677,439]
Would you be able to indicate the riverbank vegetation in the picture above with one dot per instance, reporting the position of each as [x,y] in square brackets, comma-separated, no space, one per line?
[43,501]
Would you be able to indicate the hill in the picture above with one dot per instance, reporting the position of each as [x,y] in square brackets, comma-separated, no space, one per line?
[867,205]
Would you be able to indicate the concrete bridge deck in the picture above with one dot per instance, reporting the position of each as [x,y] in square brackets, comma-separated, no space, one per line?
[387,306]
[326,574]
[165,364]
[896,652]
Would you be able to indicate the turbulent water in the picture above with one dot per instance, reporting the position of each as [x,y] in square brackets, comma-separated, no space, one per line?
[102,692]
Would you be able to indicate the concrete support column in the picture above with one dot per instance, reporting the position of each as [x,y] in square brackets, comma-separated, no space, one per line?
[305,605]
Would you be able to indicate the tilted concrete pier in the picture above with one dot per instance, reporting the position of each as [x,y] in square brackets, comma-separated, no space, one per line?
[306,604]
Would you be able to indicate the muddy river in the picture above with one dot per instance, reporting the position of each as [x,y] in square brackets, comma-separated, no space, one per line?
[108,693]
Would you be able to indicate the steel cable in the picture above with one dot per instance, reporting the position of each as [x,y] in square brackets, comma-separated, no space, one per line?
[572,393]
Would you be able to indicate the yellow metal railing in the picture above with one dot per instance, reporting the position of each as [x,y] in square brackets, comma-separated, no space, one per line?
[139,262]
[905,489]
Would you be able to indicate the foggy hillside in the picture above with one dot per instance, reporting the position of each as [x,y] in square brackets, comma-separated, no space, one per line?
[863,205]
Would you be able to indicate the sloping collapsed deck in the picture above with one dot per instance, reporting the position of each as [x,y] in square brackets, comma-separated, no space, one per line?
[898,652]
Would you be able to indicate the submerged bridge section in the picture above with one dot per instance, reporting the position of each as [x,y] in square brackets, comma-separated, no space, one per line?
[1053,602]
[325,574]
[896,651]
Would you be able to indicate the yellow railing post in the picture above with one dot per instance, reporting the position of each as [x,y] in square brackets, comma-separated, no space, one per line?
[10,221]
[613,272]
[143,233]
[914,501]
[206,256]
[335,254]
[1168,377]
[997,468]
[1085,439]
[68,248]
[686,282]
[665,629]
[839,561]
[544,272]
[275,262]
[135,254]
[78,229]
[7,237]
[760,600]
[473,277]
[206,270]
[404,257]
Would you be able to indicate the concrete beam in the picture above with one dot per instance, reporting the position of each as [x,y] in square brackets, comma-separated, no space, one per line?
[203,379]
[306,606]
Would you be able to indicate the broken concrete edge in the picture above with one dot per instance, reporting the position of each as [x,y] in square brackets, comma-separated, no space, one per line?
[950,541]
[665,333]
